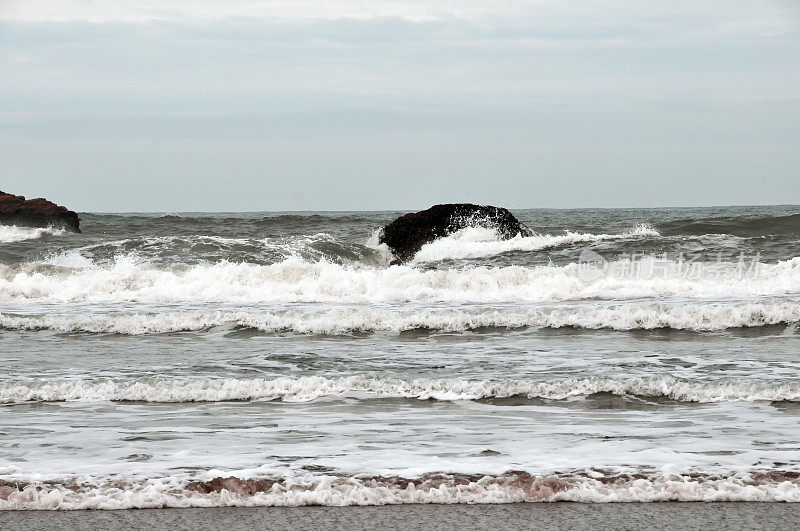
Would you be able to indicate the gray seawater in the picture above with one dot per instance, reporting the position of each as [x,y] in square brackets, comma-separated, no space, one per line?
[616,355]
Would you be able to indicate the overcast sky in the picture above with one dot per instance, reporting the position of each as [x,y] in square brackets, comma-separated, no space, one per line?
[125,105]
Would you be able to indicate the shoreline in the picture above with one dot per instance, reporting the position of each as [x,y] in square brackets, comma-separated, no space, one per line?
[556,515]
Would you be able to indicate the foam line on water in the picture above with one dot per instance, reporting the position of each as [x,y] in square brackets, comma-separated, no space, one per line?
[202,389]
[700,317]
[442,488]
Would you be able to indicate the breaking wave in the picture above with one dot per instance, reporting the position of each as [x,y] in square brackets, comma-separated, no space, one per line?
[339,321]
[476,242]
[187,250]
[337,490]
[13,233]
[199,389]
[128,279]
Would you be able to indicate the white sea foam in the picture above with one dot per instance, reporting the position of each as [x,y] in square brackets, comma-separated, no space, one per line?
[128,278]
[628,316]
[13,233]
[200,389]
[475,242]
[338,491]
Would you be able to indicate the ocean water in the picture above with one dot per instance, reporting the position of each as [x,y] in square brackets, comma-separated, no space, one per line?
[615,355]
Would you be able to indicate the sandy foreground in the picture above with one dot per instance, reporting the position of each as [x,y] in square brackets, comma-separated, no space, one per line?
[509,516]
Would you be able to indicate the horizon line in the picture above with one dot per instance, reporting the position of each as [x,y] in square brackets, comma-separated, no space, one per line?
[177,212]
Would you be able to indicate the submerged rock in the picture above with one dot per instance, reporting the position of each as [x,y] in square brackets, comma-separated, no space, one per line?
[16,210]
[407,234]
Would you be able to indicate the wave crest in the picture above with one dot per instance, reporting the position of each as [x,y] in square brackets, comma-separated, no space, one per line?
[631,316]
[14,233]
[478,242]
[128,279]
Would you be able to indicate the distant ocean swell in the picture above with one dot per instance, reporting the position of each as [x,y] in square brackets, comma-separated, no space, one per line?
[751,226]
[744,225]
[199,389]
[336,490]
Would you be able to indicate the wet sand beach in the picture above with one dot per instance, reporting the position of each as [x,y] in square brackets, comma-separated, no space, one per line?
[619,516]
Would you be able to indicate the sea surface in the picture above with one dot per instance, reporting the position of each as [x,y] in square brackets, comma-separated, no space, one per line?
[198,359]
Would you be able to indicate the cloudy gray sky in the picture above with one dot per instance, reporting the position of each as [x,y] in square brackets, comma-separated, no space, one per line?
[323,105]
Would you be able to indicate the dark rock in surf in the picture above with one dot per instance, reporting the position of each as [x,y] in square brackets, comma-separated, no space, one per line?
[16,210]
[407,234]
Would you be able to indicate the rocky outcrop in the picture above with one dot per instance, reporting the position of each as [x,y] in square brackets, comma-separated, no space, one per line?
[407,234]
[16,210]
